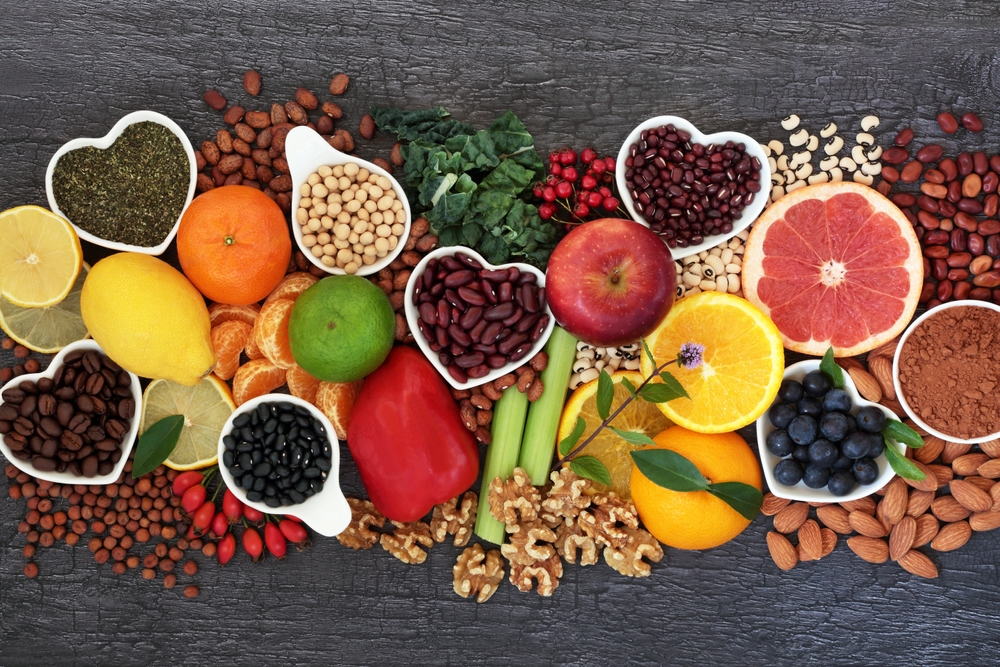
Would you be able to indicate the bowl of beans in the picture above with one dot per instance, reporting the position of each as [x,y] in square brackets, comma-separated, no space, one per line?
[475,321]
[694,190]
[73,423]
[349,216]
[278,454]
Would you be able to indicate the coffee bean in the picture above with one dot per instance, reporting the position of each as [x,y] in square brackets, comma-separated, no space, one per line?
[46,404]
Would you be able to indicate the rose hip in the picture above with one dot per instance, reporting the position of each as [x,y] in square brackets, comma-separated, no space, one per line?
[226,549]
[252,515]
[276,542]
[202,519]
[185,481]
[295,533]
[232,507]
[252,544]
[193,498]
[220,524]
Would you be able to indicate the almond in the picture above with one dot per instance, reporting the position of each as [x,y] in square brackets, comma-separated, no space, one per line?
[927,530]
[773,504]
[995,495]
[928,483]
[991,448]
[784,554]
[944,474]
[829,541]
[866,384]
[919,502]
[894,502]
[880,516]
[847,363]
[870,549]
[802,555]
[932,448]
[811,540]
[989,469]
[339,84]
[885,350]
[952,450]
[881,369]
[948,509]
[980,482]
[895,406]
[791,518]
[866,505]
[835,518]
[968,465]
[952,536]
[918,564]
[866,524]
[901,537]
[367,127]
[983,521]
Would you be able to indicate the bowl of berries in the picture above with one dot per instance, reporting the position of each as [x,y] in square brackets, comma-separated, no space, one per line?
[819,443]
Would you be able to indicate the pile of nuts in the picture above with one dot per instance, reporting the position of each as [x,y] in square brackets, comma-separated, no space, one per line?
[716,270]
[349,217]
[475,405]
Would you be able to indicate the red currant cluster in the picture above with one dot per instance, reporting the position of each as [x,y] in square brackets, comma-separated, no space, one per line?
[585,197]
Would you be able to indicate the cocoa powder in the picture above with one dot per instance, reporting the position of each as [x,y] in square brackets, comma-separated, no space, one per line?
[949,368]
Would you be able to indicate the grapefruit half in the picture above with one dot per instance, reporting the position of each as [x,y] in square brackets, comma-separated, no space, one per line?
[836,265]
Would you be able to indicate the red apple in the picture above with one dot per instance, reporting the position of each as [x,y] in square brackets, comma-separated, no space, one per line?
[610,282]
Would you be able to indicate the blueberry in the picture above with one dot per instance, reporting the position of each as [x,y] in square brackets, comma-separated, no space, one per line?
[843,463]
[801,454]
[790,391]
[833,426]
[816,477]
[810,406]
[855,446]
[788,472]
[870,419]
[802,430]
[837,400]
[852,424]
[779,444]
[823,453]
[841,483]
[781,414]
[865,471]
[876,446]
[816,383]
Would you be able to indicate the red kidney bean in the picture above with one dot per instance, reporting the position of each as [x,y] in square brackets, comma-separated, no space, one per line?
[964,164]
[494,275]
[903,199]
[980,293]
[468,261]
[499,312]
[954,192]
[471,318]
[469,360]
[491,333]
[437,290]
[928,204]
[890,174]
[445,358]
[929,153]
[927,221]
[990,182]
[506,292]
[488,291]
[961,291]
[957,274]
[895,155]
[969,205]
[959,260]
[459,278]
[948,167]
[904,137]
[958,241]
[450,263]
[479,371]
[527,278]
[441,337]
[939,269]
[428,313]
[976,244]
[936,237]
[911,171]
[980,163]
[947,122]
[536,333]
[457,373]
[477,331]
[529,298]
[514,317]
[462,338]
[527,322]
[926,292]
[443,313]
[541,298]
[936,251]
[521,351]
[496,361]
[510,342]
[944,290]
[504,333]
[971,122]
[471,296]
[487,349]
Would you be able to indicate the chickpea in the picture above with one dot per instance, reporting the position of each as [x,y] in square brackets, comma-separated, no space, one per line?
[338,171]
[309,240]
[316,250]
[351,169]
[314,225]
[324,171]
[323,238]
[342,231]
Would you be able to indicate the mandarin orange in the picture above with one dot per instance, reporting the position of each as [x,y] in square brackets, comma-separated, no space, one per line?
[228,339]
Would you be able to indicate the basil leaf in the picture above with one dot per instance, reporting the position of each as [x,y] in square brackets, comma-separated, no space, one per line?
[628,385]
[669,470]
[743,498]
[633,437]
[832,370]
[903,467]
[156,444]
[900,432]
[672,382]
[566,444]
[590,468]
[605,394]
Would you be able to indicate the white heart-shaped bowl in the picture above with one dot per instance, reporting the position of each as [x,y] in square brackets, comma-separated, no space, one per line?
[413,316]
[105,142]
[753,149]
[327,512]
[306,151]
[800,491]
[901,395]
[128,442]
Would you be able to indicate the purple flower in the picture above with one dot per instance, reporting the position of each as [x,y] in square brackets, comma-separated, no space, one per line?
[690,356]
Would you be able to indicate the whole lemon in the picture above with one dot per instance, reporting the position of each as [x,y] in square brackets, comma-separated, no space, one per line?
[148,318]
[341,328]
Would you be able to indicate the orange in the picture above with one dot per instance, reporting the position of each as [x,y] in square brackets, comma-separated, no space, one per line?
[233,244]
[834,265]
[271,332]
[696,519]
[335,400]
[223,312]
[301,384]
[292,286]
[256,378]
[228,340]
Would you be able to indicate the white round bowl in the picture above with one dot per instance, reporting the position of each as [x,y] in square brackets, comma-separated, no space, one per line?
[753,149]
[105,142]
[327,512]
[306,151]
[128,442]
[413,316]
[800,491]
[901,396]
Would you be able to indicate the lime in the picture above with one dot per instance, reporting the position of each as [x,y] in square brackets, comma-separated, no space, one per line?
[341,329]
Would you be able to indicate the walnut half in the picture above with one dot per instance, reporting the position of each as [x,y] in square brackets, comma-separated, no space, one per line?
[515,499]
[628,558]
[568,496]
[358,534]
[608,518]
[455,517]
[571,540]
[404,543]
[544,574]
[478,573]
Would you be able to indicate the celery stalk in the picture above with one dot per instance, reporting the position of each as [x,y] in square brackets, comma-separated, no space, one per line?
[540,432]
[501,457]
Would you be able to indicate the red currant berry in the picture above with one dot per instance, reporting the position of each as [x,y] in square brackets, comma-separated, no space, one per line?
[570,174]
[552,179]
[609,163]
[605,191]
[587,155]
[594,200]
[609,203]
[546,211]
[588,182]
[555,169]
[598,167]
[567,157]
[549,193]
[564,189]
[582,196]
[581,210]
[537,192]
[553,157]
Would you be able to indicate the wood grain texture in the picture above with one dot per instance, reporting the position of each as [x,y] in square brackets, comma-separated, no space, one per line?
[576,74]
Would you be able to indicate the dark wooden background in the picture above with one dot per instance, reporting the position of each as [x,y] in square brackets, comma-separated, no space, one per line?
[579,73]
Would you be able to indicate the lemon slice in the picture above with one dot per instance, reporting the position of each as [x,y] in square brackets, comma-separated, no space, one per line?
[206,406]
[47,330]
[40,257]
[639,416]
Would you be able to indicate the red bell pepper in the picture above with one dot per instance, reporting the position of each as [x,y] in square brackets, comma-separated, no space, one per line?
[408,440]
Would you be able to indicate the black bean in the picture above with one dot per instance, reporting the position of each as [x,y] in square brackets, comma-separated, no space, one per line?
[255,496]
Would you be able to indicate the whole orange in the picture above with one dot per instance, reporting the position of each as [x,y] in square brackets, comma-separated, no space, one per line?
[233,244]
[696,519]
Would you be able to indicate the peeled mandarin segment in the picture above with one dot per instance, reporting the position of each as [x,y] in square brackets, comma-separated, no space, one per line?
[223,312]
[291,287]
[40,257]
[301,384]
[271,332]
[228,341]
[336,400]
[256,378]
[252,350]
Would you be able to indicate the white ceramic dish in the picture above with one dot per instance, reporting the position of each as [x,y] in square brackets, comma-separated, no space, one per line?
[413,315]
[306,151]
[800,491]
[105,142]
[750,213]
[127,442]
[327,512]
[901,396]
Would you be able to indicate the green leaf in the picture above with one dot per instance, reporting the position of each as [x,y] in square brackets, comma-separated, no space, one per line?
[743,498]
[156,444]
[605,394]
[566,444]
[590,468]
[900,432]
[669,470]
[902,466]
[425,124]
[649,353]
[657,393]
[670,381]
[633,437]
[628,385]
[832,370]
